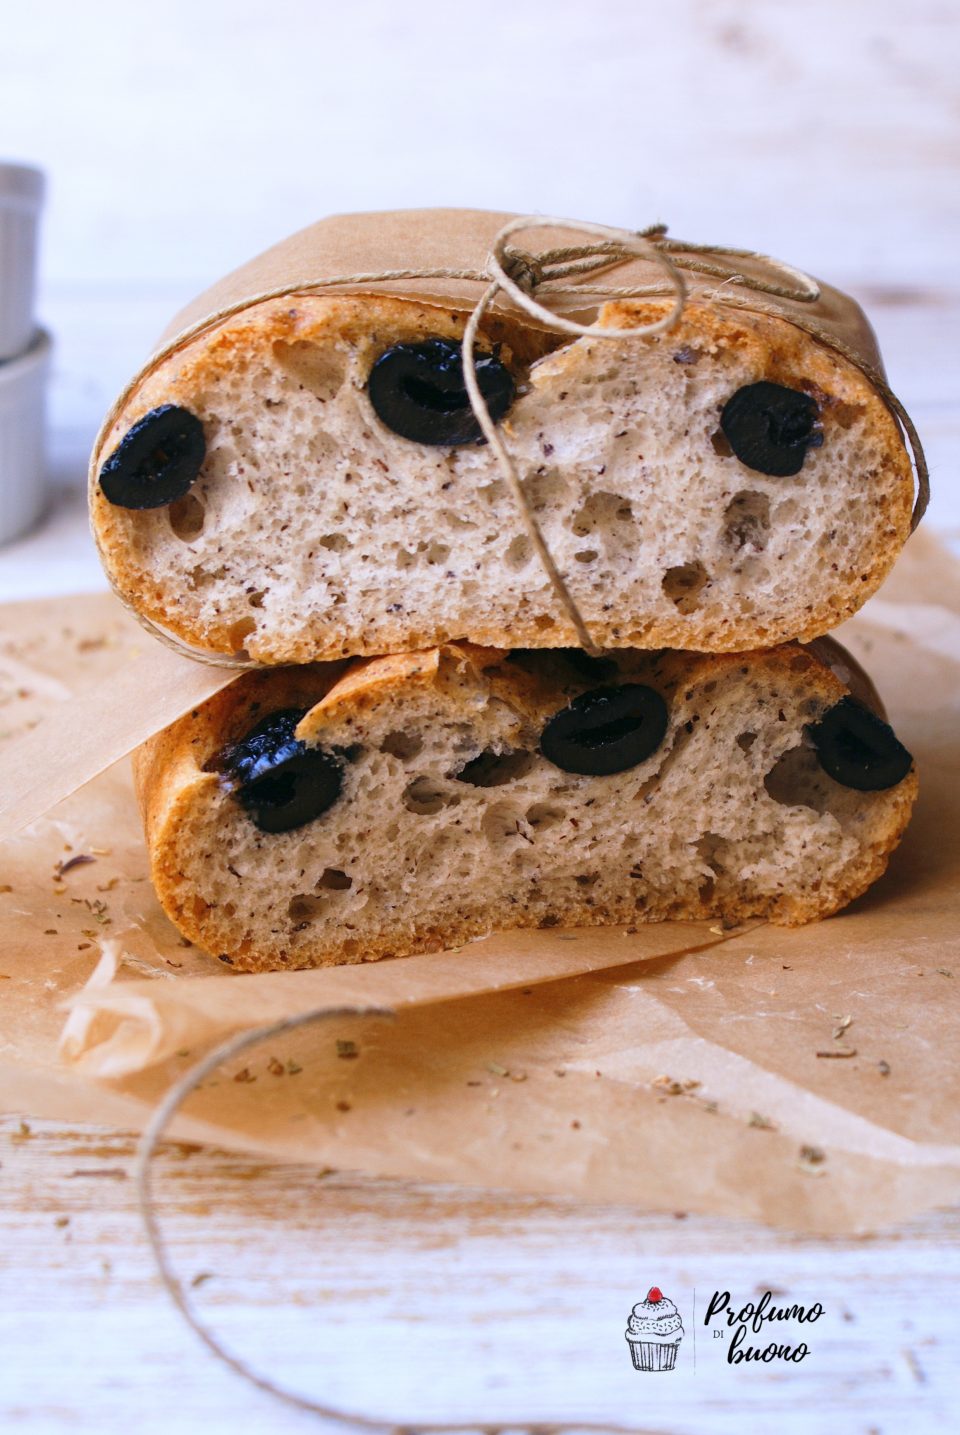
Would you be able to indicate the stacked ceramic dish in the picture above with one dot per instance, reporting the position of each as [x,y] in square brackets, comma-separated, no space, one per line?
[24,353]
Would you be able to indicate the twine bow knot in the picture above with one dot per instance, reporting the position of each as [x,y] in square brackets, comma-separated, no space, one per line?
[524,269]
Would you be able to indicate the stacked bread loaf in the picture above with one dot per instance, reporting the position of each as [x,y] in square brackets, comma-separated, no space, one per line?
[423,753]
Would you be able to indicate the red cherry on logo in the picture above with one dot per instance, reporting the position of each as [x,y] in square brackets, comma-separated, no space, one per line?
[654,1294]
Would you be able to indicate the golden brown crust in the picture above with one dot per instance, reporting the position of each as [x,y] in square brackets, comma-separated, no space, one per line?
[170,779]
[776,348]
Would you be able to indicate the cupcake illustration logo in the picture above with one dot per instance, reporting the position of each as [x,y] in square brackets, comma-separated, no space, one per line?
[654,1332]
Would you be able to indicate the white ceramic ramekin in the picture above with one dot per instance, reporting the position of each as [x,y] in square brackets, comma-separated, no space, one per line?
[23,477]
[21,195]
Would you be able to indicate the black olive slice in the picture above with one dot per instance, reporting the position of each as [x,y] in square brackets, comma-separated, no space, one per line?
[606,730]
[276,778]
[858,749]
[770,428]
[418,391]
[157,461]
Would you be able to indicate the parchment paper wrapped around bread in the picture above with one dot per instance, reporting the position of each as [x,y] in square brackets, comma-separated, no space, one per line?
[330,814]
[299,478]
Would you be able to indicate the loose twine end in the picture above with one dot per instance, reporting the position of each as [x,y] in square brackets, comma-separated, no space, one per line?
[159,1123]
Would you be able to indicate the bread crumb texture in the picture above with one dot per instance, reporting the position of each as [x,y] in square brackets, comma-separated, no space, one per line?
[731,817]
[313,531]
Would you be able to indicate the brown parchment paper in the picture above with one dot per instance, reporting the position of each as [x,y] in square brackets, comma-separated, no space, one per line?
[67,732]
[375,242]
[679,1070]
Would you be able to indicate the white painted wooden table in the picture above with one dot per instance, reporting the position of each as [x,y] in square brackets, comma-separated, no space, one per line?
[411,1302]
[828,133]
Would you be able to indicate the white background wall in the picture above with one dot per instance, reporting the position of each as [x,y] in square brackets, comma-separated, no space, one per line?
[182,137]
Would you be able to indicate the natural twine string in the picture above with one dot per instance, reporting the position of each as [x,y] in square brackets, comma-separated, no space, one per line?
[151,1138]
[519,274]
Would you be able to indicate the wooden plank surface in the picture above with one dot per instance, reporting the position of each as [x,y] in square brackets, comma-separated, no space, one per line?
[434,1302]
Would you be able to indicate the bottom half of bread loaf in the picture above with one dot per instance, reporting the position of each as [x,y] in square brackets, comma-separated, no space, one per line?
[332,814]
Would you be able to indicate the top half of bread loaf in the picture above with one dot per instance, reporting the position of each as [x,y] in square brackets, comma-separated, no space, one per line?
[313,532]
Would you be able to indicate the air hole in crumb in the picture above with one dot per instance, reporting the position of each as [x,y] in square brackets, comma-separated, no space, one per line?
[712,849]
[587,555]
[687,355]
[255,599]
[438,553]
[546,489]
[402,744]
[501,823]
[186,516]
[493,769]
[721,444]
[602,512]
[746,740]
[426,796]
[798,780]
[544,622]
[746,521]
[518,553]
[322,450]
[544,815]
[492,493]
[321,369]
[336,542]
[304,907]
[333,880]
[846,415]
[645,791]
[787,511]
[239,632]
[684,584]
